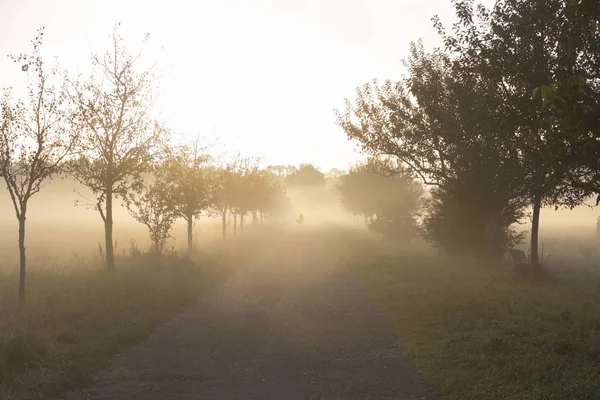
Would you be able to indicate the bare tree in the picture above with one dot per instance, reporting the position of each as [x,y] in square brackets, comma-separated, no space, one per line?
[34,140]
[119,139]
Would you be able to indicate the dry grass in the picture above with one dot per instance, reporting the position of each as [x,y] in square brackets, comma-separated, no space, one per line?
[77,317]
[475,332]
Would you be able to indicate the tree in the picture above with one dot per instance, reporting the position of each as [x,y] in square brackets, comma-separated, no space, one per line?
[573,100]
[153,205]
[119,139]
[515,47]
[442,125]
[222,193]
[389,199]
[189,182]
[356,190]
[455,220]
[276,203]
[241,189]
[35,139]
[305,175]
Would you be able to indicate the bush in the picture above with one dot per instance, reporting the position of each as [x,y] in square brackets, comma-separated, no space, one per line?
[456,220]
[395,223]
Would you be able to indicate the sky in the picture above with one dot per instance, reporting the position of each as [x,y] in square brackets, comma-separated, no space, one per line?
[261,77]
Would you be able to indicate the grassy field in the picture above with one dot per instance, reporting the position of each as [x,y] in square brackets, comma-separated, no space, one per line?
[76,319]
[475,332]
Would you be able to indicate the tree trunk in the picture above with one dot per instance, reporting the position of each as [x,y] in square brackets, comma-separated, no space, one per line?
[254,218]
[190,233]
[108,231]
[22,264]
[234,224]
[490,237]
[224,219]
[535,227]
[242,223]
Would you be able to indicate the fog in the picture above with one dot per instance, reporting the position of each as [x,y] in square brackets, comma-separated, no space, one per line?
[63,231]
[306,198]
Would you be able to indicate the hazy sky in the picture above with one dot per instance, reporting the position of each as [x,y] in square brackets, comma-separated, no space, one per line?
[262,76]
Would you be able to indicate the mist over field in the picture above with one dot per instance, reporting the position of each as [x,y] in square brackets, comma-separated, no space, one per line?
[63,233]
[300,199]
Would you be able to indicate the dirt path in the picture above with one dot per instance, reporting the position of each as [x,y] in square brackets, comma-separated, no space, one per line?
[291,324]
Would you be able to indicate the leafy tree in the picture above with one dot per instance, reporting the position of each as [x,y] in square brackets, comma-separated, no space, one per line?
[189,180]
[451,225]
[573,99]
[305,175]
[153,205]
[356,190]
[513,48]
[222,193]
[258,192]
[119,139]
[444,126]
[242,196]
[35,139]
[387,198]
[276,203]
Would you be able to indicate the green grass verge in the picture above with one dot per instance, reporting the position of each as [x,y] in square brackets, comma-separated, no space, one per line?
[75,322]
[474,332]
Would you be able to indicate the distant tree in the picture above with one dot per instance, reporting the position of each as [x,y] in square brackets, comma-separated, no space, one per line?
[238,187]
[276,203]
[35,139]
[388,198]
[258,191]
[222,193]
[153,205]
[306,175]
[334,174]
[189,180]
[356,192]
[119,139]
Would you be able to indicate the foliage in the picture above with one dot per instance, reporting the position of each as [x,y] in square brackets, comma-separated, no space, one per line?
[35,139]
[514,47]
[307,175]
[190,183]
[389,199]
[469,108]
[153,205]
[447,128]
[119,139]
[572,99]
[455,220]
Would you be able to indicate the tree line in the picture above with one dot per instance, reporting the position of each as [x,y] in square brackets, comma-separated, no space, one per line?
[99,129]
[499,122]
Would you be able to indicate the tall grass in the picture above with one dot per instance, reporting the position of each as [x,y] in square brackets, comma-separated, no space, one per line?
[77,317]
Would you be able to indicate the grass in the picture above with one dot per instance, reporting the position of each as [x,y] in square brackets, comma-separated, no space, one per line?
[475,332]
[76,320]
